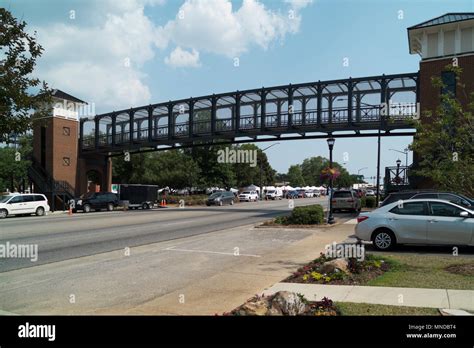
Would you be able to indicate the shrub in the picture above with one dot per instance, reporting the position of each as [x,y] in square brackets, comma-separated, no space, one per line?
[370,202]
[307,215]
[188,200]
[283,220]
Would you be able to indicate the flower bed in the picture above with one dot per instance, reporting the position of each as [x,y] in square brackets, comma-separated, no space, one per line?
[284,303]
[324,270]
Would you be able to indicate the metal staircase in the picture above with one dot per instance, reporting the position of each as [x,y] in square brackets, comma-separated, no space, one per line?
[46,184]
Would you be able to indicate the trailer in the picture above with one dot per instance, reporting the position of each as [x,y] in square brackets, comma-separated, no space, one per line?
[136,196]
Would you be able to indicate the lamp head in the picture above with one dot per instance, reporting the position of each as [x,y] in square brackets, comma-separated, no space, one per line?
[331,142]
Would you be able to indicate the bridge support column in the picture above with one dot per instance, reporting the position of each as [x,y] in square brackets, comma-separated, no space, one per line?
[94,172]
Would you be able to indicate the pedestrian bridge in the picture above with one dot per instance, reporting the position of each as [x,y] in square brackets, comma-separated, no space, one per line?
[353,107]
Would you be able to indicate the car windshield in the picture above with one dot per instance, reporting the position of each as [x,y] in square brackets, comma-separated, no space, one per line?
[215,195]
[246,193]
[271,191]
[3,199]
[342,194]
[87,195]
[470,200]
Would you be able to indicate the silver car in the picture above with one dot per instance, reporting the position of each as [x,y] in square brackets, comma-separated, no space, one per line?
[346,200]
[417,221]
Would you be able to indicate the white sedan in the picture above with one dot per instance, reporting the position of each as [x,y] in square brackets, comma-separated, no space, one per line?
[417,221]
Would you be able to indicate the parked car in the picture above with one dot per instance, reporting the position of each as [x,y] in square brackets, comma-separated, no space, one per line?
[309,193]
[346,200]
[301,193]
[370,193]
[248,196]
[96,201]
[316,193]
[417,221]
[19,204]
[274,194]
[220,198]
[292,194]
[448,196]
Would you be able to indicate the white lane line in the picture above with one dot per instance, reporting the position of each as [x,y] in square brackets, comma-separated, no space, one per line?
[209,252]
[177,223]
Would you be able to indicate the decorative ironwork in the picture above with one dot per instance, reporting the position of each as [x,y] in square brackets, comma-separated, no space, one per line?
[285,112]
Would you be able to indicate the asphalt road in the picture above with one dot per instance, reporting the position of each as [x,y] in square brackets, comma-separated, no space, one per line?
[61,237]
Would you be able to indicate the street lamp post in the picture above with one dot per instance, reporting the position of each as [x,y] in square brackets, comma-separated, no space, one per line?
[331,142]
[261,170]
[358,172]
[405,152]
[398,173]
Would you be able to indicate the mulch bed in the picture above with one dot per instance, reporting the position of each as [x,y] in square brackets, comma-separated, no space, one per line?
[361,272]
[325,307]
[464,269]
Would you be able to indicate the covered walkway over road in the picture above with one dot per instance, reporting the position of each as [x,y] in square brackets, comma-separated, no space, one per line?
[352,107]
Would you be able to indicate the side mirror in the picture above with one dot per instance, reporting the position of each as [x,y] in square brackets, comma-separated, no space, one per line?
[464,214]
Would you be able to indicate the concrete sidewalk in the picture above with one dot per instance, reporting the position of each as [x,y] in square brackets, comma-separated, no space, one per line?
[410,297]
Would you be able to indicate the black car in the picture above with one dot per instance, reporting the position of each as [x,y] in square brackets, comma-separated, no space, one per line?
[96,201]
[447,196]
[220,198]
[292,194]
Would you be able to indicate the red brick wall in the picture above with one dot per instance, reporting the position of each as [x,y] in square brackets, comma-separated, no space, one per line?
[64,146]
[429,95]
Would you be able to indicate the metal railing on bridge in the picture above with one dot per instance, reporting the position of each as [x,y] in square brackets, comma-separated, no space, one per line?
[327,107]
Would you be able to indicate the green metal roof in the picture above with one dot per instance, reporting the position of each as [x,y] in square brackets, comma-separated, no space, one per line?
[444,19]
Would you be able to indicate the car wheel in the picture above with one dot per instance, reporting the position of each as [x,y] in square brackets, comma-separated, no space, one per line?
[40,211]
[110,207]
[86,208]
[384,239]
[220,203]
[3,213]
[232,202]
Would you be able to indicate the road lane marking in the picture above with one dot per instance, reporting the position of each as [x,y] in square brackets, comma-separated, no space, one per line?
[209,252]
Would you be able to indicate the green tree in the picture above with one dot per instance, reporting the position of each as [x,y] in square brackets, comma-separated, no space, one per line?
[295,176]
[14,164]
[444,142]
[311,170]
[19,52]
[172,168]
[247,175]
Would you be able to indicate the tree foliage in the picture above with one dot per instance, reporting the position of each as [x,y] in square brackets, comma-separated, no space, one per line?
[18,54]
[14,164]
[444,142]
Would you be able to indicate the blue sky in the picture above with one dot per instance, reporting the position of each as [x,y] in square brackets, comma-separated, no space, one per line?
[118,54]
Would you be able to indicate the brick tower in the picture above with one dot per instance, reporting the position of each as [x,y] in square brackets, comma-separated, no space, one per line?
[55,149]
[442,41]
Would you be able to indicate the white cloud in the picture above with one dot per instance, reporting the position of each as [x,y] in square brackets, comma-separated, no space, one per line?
[213,26]
[90,60]
[180,58]
[298,4]
[102,63]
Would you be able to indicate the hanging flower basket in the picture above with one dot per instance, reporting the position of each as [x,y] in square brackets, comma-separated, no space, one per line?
[329,173]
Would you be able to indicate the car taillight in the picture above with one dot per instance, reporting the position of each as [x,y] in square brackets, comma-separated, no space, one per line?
[361,218]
